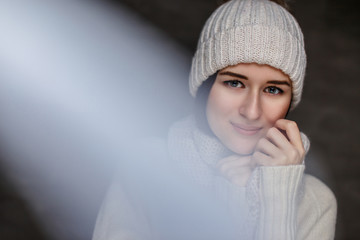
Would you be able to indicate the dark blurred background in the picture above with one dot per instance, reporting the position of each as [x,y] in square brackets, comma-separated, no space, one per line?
[329,112]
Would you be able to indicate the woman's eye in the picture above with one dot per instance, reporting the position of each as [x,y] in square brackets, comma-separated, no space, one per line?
[234,84]
[273,90]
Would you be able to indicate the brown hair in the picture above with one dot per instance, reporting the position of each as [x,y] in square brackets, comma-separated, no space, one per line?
[283,3]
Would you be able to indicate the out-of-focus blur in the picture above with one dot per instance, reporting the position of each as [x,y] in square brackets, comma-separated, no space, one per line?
[329,110]
[80,82]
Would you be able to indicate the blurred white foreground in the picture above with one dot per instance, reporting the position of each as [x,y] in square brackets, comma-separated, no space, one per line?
[79,82]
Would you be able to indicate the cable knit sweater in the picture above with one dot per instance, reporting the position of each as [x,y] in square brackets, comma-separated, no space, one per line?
[277,203]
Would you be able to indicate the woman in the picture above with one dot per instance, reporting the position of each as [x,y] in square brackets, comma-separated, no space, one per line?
[246,74]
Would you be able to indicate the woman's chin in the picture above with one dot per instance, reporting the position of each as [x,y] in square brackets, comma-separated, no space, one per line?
[243,150]
[244,153]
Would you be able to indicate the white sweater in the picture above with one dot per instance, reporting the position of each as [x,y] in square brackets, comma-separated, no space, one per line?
[277,203]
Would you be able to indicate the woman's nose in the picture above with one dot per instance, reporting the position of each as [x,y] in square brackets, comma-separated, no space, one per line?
[251,107]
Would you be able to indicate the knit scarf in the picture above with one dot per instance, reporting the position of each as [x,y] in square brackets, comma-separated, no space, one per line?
[197,154]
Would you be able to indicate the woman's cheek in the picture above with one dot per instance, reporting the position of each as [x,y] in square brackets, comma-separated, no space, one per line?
[275,110]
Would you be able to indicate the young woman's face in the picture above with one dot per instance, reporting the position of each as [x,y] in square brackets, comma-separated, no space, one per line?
[244,102]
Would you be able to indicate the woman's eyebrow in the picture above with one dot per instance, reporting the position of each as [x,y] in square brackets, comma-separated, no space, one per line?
[232,74]
[237,75]
[279,82]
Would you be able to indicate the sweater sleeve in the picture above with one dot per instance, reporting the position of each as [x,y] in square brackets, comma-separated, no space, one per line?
[317,211]
[283,200]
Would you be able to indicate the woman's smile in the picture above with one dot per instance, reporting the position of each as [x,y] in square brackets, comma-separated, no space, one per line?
[246,130]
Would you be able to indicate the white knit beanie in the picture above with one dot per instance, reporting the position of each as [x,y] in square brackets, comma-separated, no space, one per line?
[250,31]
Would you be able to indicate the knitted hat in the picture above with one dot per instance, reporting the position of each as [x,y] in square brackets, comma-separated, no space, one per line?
[250,31]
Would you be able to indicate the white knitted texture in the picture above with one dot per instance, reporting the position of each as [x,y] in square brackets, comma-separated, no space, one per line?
[280,203]
[250,31]
[274,222]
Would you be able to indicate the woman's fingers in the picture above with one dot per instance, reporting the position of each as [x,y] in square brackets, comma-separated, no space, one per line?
[236,169]
[277,138]
[233,158]
[267,147]
[263,159]
[277,149]
[292,132]
[242,178]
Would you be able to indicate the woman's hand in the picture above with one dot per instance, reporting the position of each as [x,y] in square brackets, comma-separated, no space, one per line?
[275,149]
[237,169]
[280,149]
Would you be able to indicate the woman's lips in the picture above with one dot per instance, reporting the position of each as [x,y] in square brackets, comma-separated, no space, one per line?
[246,129]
